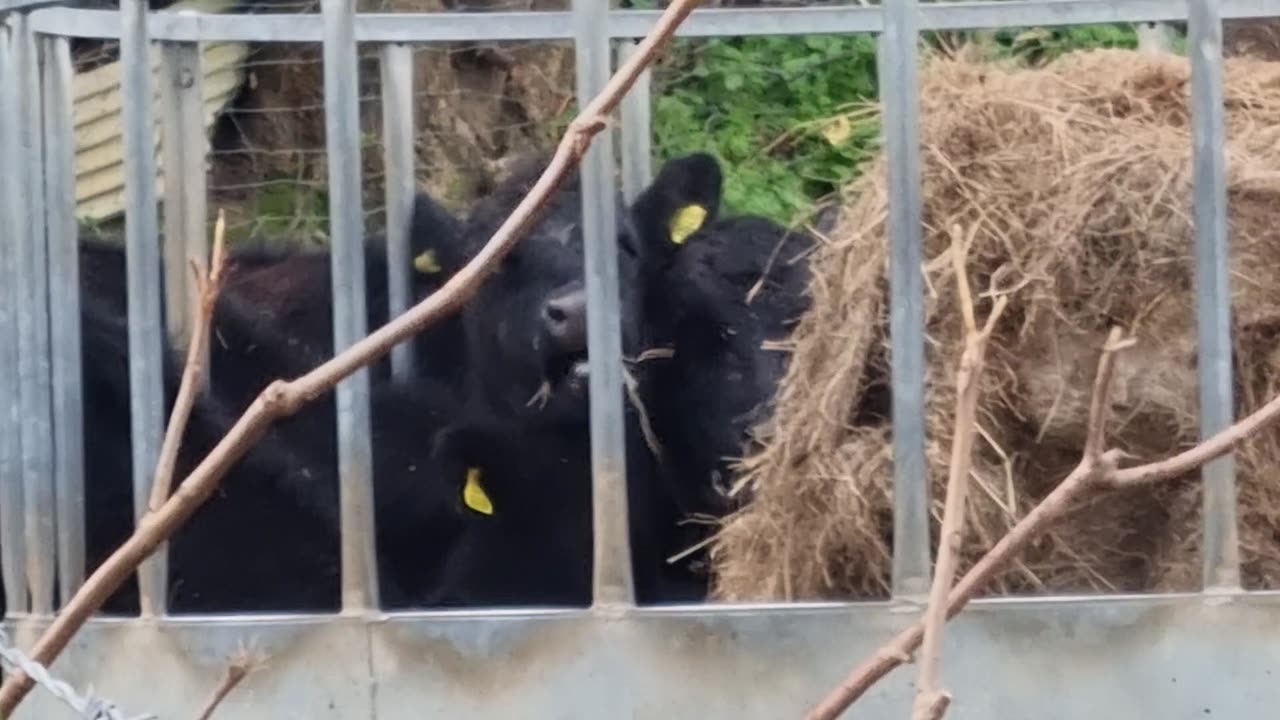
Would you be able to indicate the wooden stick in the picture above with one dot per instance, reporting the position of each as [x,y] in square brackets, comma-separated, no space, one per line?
[931,702]
[281,399]
[192,373]
[239,668]
[210,287]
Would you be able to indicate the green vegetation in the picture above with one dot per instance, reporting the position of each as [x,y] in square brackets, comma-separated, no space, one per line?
[773,109]
[283,207]
[793,118]
[1037,46]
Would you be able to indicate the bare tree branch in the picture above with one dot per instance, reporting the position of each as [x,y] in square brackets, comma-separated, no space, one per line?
[1211,449]
[931,702]
[281,398]
[1100,403]
[192,374]
[244,662]
[1097,471]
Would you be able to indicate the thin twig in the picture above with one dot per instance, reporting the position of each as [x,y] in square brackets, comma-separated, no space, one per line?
[642,414]
[931,702]
[237,670]
[283,398]
[1100,406]
[210,286]
[197,349]
[1096,472]
[1211,449]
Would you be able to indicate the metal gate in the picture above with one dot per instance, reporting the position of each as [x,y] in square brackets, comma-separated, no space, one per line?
[1212,654]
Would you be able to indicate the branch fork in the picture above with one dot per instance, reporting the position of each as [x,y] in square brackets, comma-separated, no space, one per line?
[932,702]
[1099,469]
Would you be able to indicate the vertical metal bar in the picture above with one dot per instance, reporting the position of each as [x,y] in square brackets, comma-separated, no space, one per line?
[142,265]
[355,453]
[185,211]
[1221,559]
[398,129]
[64,314]
[35,395]
[637,131]
[899,87]
[12,534]
[612,584]
[178,286]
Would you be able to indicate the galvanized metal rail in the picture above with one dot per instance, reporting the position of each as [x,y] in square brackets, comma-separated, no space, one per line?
[1181,655]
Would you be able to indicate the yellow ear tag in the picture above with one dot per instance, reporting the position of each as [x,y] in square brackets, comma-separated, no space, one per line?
[686,222]
[474,496]
[426,263]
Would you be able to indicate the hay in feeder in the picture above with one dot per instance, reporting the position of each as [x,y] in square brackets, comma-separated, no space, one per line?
[1078,178]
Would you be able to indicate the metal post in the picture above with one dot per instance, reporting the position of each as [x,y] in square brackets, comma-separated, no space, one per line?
[184,244]
[185,199]
[899,87]
[142,265]
[612,581]
[64,314]
[35,395]
[398,130]
[355,453]
[1221,559]
[637,131]
[12,534]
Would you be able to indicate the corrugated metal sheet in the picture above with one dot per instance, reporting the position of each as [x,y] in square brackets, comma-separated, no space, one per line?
[97,122]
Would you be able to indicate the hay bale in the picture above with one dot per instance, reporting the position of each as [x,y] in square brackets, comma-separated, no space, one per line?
[1078,177]
[1255,37]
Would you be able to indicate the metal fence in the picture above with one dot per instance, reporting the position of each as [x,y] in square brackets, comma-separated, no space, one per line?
[1197,655]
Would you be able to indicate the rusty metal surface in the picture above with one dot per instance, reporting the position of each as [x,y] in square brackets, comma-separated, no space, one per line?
[1053,659]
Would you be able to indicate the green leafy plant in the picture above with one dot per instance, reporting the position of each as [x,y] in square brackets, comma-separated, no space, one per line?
[286,208]
[792,118]
[777,113]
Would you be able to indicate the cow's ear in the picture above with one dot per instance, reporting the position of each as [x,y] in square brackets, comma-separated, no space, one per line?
[435,238]
[458,452]
[681,200]
[474,497]
[686,221]
[426,262]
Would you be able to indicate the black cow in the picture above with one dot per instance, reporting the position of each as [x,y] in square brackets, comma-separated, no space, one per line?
[526,343]
[522,489]
[527,351]
[717,289]
[524,502]
[414,522]
[526,326]
[288,293]
[235,550]
[268,540]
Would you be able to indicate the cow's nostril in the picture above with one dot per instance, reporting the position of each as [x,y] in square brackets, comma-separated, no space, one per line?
[555,314]
[564,319]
